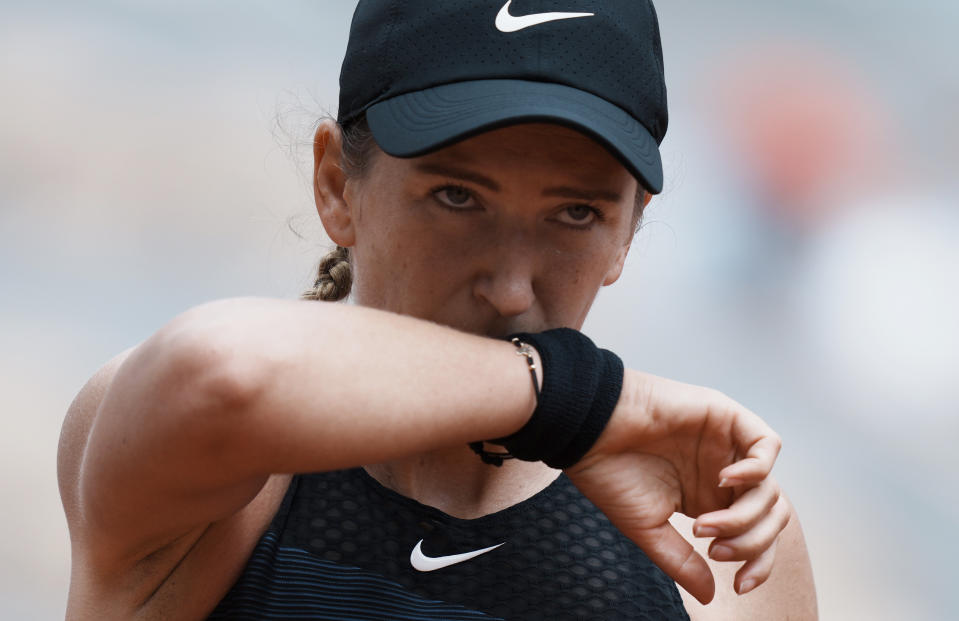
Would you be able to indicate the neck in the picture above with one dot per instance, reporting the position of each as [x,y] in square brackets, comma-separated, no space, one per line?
[456,482]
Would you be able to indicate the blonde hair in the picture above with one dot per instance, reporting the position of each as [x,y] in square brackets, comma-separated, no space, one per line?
[334,277]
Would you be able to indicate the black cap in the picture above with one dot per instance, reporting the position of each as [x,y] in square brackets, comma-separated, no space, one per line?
[428,73]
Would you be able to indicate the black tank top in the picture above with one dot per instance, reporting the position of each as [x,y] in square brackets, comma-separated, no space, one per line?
[341,547]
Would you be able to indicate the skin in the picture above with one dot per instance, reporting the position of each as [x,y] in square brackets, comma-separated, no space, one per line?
[507,255]
[460,238]
[170,455]
[512,256]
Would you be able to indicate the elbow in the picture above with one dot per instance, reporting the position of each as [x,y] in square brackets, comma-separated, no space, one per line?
[206,364]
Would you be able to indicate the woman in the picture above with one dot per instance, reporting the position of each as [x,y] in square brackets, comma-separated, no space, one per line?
[488,169]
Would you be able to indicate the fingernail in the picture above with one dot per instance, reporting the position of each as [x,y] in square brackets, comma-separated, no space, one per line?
[721,553]
[707,531]
[747,586]
[727,482]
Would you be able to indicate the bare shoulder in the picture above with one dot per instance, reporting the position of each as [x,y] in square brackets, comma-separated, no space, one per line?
[76,431]
[788,595]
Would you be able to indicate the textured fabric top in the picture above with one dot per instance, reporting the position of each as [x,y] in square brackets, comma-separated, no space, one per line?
[340,548]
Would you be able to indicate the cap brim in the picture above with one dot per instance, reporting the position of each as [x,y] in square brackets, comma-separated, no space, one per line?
[417,123]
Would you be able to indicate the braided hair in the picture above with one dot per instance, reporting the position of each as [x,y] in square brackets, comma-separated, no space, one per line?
[334,277]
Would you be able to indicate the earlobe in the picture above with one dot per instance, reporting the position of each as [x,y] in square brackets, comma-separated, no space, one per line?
[329,184]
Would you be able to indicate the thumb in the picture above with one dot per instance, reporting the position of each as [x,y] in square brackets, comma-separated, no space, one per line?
[678,560]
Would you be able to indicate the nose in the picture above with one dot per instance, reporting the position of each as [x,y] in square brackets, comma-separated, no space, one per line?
[506,280]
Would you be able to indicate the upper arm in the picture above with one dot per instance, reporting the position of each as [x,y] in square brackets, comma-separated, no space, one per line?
[788,594]
[134,473]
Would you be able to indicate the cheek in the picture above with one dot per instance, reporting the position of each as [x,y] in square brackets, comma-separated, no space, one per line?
[586,265]
[572,279]
[405,258]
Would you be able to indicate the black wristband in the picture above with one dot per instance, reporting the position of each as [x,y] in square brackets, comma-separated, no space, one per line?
[581,386]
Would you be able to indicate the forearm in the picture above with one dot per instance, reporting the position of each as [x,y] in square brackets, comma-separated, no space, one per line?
[261,386]
[339,386]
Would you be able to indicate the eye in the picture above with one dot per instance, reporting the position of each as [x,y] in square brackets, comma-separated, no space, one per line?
[455,197]
[580,216]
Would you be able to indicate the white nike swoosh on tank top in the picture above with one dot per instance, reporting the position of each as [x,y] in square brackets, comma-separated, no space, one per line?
[421,562]
[509,23]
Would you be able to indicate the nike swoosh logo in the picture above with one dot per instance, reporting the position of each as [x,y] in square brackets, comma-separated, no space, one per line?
[421,562]
[509,23]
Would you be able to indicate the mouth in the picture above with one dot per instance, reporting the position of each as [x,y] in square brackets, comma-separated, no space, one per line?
[500,328]
[503,332]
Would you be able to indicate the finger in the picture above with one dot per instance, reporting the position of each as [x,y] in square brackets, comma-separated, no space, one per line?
[743,514]
[760,456]
[756,571]
[678,559]
[752,543]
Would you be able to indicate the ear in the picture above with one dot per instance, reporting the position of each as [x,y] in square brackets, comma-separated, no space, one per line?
[616,269]
[329,184]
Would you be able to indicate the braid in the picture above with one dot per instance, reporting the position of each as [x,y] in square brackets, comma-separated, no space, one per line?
[334,277]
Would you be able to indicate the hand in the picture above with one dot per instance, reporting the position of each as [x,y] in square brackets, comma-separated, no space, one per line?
[674,447]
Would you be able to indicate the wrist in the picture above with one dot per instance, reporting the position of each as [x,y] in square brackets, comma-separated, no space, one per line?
[629,407]
[581,385]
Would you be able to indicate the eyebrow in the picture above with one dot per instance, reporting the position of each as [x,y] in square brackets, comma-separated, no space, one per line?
[583,195]
[463,174]
[458,173]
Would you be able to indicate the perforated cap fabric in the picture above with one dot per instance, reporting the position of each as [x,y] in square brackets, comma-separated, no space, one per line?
[340,548]
[428,73]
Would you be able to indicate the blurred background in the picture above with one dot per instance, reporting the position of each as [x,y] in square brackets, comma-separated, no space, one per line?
[154,154]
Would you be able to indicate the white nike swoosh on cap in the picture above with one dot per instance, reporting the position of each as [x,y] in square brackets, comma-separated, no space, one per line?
[421,562]
[509,23]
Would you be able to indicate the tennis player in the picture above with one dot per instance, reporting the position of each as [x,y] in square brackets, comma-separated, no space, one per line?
[450,446]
